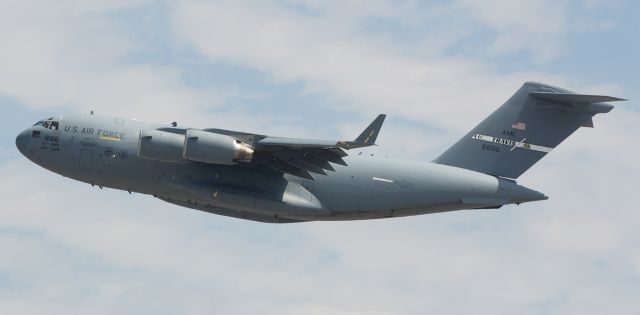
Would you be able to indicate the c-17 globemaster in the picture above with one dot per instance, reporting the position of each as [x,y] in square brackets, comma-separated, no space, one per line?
[279,180]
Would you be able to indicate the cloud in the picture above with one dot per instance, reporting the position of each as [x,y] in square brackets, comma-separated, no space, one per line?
[598,4]
[78,56]
[326,53]
[71,248]
[538,26]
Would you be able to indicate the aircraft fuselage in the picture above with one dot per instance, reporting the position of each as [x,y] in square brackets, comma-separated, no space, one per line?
[102,151]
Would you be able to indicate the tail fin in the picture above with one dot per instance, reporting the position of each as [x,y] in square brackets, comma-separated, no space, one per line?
[523,130]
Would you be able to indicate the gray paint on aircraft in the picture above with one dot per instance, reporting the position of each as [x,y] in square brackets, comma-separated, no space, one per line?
[283,180]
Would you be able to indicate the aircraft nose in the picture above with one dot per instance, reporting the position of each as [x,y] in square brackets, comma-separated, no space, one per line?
[22,141]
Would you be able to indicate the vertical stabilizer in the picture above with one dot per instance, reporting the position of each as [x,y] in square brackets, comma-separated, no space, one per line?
[529,125]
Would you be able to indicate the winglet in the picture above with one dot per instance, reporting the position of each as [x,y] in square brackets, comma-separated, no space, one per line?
[367,137]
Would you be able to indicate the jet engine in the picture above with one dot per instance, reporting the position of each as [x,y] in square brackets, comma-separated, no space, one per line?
[196,145]
[208,147]
[161,146]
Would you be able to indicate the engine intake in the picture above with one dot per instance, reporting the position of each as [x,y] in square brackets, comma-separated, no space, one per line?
[160,146]
[207,147]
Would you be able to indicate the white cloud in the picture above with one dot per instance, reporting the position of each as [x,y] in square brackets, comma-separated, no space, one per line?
[536,25]
[329,57]
[598,4]
[75,55]
[70,248]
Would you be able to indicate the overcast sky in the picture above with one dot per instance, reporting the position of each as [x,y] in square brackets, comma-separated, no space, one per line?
[321,69]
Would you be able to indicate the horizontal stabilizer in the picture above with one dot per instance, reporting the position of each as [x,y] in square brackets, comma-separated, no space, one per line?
[574,98]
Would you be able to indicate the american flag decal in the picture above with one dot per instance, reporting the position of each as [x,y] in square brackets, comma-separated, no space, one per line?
[519,125]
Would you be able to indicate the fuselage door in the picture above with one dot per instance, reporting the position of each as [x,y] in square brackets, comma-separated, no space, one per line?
[86,159]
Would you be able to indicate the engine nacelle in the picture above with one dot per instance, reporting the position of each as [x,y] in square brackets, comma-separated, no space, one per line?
[207,147]
[161,146]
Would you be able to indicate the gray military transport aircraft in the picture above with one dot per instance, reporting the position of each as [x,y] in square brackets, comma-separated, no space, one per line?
[280,180]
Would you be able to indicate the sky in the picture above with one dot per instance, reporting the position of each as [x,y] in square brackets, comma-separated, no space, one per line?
[321,69]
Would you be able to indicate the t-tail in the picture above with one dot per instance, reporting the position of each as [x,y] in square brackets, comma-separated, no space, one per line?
[534,121]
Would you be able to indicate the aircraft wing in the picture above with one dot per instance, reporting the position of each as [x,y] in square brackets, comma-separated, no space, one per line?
[301,157]
[366,138]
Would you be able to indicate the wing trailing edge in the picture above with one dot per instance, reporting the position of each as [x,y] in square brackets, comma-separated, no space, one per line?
[301,157]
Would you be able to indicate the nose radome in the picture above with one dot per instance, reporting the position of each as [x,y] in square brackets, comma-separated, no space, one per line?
[22,140]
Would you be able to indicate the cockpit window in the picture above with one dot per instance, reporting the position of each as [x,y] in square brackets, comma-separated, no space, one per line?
[49,124]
